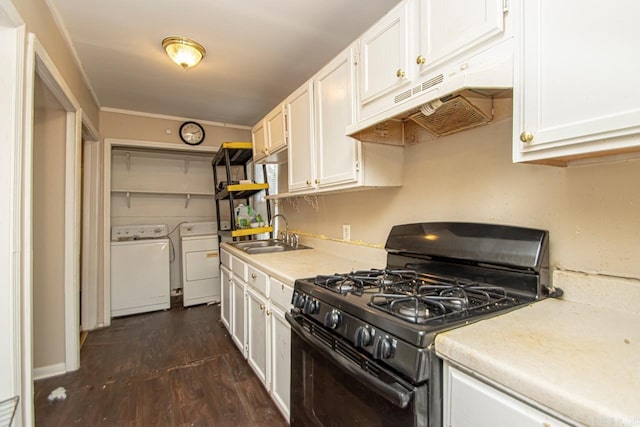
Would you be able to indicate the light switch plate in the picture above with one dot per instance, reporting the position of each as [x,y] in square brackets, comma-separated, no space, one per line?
[346,232]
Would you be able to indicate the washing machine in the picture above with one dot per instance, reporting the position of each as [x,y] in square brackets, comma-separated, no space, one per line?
[200,263]
[140,271]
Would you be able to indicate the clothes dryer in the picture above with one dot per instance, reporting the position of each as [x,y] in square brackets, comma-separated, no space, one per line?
[200,263]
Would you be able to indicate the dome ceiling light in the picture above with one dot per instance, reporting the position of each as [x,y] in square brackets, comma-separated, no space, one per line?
[185,52]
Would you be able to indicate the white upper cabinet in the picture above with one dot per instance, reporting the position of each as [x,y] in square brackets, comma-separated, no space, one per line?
[301,138]
[423,50]
[276,130]
[576,91]
[383,59]
[270,137]
[337,155]
[384,54]
[321,157]
[259,136]
[449,28]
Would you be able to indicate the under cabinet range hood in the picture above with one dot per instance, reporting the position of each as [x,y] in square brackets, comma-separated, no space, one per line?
[457,98]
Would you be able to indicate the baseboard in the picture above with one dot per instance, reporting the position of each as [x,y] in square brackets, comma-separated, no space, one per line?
[49,371]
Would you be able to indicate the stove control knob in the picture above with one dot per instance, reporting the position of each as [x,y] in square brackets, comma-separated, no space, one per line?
[311,306]
[298,300]
[332,319]
[363,337]
[383,348]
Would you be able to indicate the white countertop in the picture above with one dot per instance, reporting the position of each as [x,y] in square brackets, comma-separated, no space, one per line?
[579,356]
[581,360]
[326,257]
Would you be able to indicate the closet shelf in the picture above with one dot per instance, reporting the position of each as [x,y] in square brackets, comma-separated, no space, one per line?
[161,192]
[186,194]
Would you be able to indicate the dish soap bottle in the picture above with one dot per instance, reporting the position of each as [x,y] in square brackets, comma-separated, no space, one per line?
[243,218]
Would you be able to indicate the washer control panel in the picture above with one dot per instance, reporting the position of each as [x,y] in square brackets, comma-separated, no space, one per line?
[137,232]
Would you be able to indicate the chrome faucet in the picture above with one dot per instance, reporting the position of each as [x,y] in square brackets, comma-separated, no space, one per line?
[286,227]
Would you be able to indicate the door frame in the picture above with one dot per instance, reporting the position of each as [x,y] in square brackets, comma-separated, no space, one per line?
[15,366]
[91,232]
[38,62]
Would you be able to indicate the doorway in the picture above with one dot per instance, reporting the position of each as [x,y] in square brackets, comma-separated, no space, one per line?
[51,217]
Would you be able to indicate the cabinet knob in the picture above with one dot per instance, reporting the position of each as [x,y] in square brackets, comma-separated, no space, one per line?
[261,306]
[420,60]
[526,137]
[317,181]
[268,312]
[308,182]
[400,73]
[253,275]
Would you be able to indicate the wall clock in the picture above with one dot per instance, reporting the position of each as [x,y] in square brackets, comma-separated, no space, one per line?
[191,133]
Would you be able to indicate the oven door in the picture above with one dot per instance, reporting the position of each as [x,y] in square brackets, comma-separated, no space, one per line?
[332,384]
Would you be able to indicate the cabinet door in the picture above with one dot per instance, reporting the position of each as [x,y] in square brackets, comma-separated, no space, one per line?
[259,136]
[225,297]
[337,154]
[384,55]
[301,142]
[448,28]
[276,130]
[468,401]
[280,360]
[238,324]
[258,335]
[576,89]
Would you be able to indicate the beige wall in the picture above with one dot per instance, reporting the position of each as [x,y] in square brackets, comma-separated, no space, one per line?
[48,237]
[592,212]
[39,21]
[144,128]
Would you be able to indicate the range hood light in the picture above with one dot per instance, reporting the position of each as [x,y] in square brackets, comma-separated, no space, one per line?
[430,107]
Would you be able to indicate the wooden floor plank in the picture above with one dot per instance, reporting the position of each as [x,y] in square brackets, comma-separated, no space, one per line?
[173,368]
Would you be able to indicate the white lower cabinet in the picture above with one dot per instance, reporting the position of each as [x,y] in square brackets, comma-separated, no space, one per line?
[252,309]
[280,360]
[468,401]
[280,298]
[238,324]
[225,296]
[258,335]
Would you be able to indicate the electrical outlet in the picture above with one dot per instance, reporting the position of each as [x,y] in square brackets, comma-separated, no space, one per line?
[346,232]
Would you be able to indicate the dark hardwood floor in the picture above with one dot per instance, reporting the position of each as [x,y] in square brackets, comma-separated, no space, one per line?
[173,368]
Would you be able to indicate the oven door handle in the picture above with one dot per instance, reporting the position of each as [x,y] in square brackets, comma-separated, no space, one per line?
[394,393]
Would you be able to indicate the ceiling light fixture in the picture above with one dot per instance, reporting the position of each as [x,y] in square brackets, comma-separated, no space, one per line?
[185,52]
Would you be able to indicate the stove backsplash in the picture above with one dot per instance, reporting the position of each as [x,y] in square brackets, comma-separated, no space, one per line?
[592,212]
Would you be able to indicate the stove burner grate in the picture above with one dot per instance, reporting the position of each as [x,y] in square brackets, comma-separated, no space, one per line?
[358,282]
[431,302]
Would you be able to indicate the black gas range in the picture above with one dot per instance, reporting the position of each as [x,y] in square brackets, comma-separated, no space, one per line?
[364,339]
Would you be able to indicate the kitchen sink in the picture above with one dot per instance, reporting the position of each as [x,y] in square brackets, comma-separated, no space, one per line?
[266,246]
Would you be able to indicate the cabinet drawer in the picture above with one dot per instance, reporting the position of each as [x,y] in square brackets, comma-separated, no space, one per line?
[280,294]
[225,258]
[239,268]
[257,280]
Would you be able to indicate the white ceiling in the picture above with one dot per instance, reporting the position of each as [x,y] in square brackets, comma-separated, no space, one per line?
[258,51]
